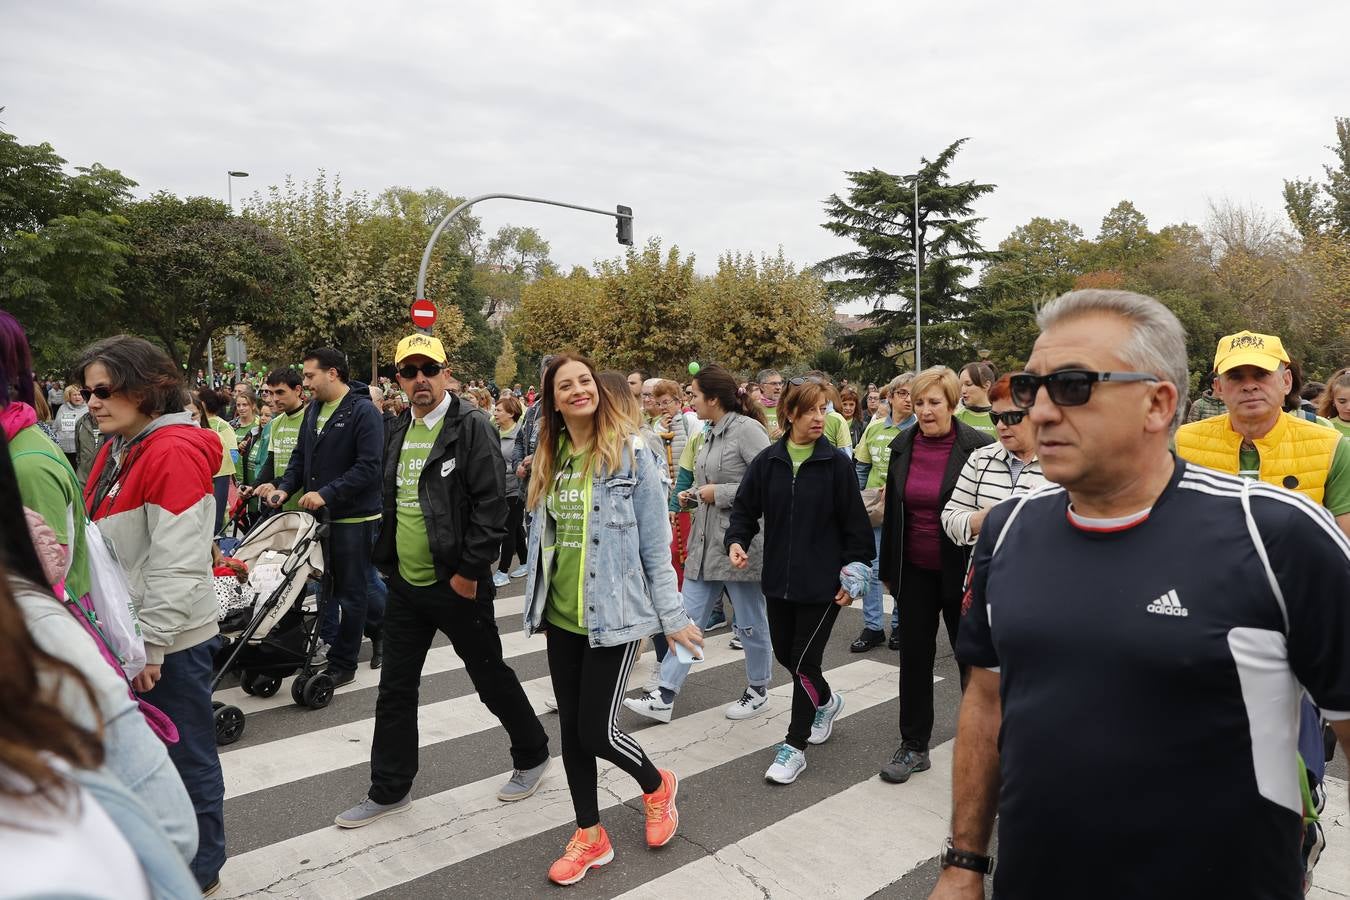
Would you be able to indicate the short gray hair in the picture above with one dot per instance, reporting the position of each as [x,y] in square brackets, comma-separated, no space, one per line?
[1157,346]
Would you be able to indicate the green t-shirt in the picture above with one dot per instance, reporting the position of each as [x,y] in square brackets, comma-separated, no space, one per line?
[689,455]
[283,433]
[1341,425]
[410,537]
[569,503]
[874,449]
[836,431]
[325,412]
[48,487]
[1336,493]
[771,417]
[228,441]
[798,453]
[980,421]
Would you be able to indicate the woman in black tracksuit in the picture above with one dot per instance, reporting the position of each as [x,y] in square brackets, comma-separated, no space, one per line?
[814,525]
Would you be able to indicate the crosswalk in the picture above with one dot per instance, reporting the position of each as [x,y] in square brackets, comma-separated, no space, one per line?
[837,832]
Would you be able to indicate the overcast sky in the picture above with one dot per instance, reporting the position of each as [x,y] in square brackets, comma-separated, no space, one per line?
[724,125]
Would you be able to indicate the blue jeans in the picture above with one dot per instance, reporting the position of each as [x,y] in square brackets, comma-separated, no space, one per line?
[357,589]
[873,603]
[184,693]
[751,626]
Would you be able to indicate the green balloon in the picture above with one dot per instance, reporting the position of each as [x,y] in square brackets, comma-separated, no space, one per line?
[693,368]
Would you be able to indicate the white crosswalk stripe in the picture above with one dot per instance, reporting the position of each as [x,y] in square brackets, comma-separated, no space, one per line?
[457,839]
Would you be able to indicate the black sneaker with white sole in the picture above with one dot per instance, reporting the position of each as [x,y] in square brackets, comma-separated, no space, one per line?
[905,763]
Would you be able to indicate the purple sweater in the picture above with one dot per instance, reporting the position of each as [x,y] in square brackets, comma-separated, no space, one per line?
[923,494]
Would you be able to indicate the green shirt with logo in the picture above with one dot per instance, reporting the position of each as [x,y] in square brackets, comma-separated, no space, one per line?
[798,453]
[569,504]
[415,564]
[283,432]
[874,449]
[836,431]
[980,421]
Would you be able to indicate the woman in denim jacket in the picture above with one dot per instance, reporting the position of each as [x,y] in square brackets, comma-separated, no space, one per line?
[600,579]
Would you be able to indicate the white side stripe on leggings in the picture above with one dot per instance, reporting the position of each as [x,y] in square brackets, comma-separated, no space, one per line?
[622,743]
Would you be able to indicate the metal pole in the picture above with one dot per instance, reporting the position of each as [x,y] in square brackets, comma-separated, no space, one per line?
[229,190]
[918,322]
[435,235]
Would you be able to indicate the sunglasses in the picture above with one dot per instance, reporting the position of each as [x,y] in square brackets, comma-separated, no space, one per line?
[1069,387]
[807,379]
[1010,418]
[102,392]
[429,369]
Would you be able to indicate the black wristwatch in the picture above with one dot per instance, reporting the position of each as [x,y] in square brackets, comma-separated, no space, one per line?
[962,859]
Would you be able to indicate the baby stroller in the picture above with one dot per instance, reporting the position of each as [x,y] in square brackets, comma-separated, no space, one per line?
[279,636]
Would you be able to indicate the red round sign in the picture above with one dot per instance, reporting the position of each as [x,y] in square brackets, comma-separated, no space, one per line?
[423,313]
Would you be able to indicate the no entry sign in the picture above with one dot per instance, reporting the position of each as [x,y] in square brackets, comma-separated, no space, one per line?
[423,313]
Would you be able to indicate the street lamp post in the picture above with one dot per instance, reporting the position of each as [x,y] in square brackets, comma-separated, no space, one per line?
[623,215]
[918,326]
[230,176]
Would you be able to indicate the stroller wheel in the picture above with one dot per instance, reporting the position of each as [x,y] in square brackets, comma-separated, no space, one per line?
[246,682]
[229,725]
[264,686]
[298,688]
[318,690]
[216,705]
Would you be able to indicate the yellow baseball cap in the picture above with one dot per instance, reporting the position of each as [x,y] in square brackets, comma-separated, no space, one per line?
[420,345]
[1247,348]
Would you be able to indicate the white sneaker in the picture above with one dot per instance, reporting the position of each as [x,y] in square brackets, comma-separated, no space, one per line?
[320,653]
[551,704]
[823,725]
[501,579]
[653,682]
[751,704]
[650,705]
[787,765]
[520,571]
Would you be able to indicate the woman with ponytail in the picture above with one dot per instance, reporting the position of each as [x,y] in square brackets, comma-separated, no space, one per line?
[736,436]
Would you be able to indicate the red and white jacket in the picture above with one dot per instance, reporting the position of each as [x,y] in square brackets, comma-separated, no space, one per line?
[152,498]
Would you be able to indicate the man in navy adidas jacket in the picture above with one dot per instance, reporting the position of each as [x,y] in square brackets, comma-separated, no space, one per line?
[336,463]
[1131,717]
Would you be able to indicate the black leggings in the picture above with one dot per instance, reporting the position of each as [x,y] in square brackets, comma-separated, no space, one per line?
[799,633]
[923,600]
[514,542]
[589,683]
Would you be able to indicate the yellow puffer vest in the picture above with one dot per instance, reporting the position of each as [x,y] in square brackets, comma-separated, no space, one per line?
[1296,454]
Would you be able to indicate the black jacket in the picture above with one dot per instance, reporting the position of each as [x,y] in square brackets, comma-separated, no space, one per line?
[814,524]
[462,492]
[954,558]
[343,463]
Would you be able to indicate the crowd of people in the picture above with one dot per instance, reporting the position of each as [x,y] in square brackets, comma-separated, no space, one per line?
[1171,581]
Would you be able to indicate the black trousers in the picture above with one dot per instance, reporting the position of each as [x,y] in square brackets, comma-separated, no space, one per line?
[922,600]
[799,633]
[514,542]
[413,617]
[589,683]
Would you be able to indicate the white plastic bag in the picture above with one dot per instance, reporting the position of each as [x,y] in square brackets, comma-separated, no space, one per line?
[111,595]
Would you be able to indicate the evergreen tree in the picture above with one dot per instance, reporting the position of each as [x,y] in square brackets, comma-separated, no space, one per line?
[879,217]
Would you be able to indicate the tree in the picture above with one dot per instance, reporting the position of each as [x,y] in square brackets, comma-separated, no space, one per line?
[1317,209]
[644,317]
[505,370]
[879,217]
[559,312]
[1124,240]
[1037,262]
[62,246]
[513,258]
[196,270]
[362,258]
[758,314]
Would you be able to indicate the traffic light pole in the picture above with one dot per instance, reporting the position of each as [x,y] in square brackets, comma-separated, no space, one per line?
[622,214]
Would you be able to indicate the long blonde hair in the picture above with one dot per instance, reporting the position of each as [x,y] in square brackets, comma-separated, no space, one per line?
[610,439]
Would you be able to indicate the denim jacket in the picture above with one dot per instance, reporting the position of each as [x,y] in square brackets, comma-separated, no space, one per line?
[630,588]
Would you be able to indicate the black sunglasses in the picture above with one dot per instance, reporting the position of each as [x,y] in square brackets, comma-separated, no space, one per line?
[1068,387]
[102,392]
[429,369]
[1010,418]
[805,379]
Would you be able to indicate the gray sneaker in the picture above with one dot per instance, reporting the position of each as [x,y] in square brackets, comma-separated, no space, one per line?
[905,763]
[368,811]
[523,783]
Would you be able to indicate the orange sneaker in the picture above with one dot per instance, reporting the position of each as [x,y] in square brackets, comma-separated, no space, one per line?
[580,857]
[662,816]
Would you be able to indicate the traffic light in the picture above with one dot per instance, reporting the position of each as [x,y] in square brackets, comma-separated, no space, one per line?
[623,225]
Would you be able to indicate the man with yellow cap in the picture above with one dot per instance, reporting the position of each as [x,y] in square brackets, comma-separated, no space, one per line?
[1255,438]
[444,517]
